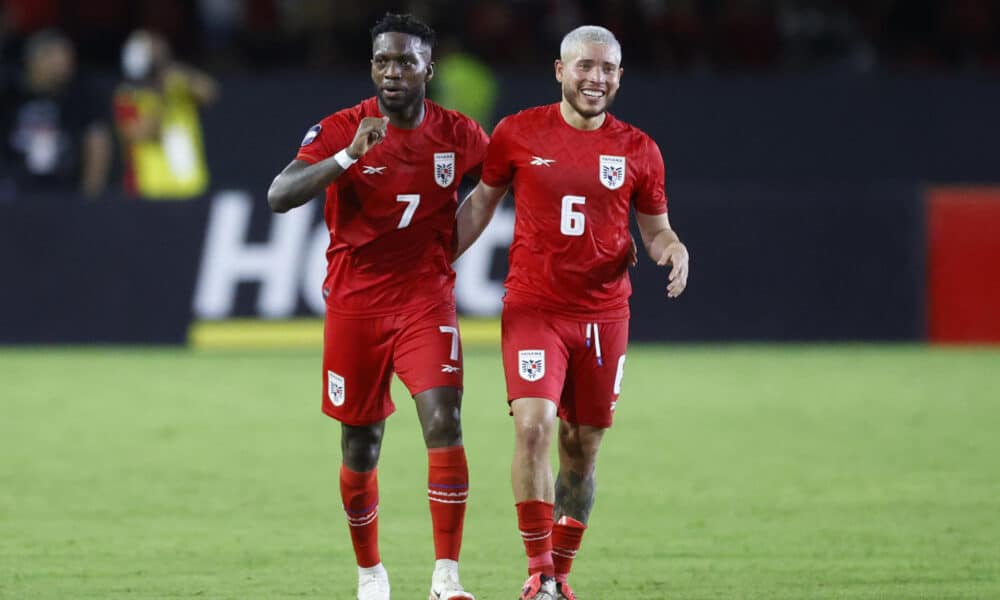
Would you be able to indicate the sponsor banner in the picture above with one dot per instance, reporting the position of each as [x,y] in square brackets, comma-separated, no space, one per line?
[272,266]
[769,262]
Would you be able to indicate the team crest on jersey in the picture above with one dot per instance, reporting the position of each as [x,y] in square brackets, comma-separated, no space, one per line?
[311,134]
[531,364]
[444,168]
[335,388]
[612,171]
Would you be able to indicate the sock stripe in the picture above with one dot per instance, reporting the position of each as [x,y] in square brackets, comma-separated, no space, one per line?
[447,494]
[445,486]
[365,522]
[363,511]
[364,519]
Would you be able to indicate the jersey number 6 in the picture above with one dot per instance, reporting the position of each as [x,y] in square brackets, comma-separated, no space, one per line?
[412,202]
[572,221]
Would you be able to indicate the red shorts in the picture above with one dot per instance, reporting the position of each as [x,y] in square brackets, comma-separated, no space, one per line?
[360,355]
[576,365]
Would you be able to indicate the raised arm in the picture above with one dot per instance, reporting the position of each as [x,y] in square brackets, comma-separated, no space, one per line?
[300,182]
[475,213]
[204,88]
[664,247]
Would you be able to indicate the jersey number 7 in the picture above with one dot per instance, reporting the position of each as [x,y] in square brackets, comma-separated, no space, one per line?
[412,202]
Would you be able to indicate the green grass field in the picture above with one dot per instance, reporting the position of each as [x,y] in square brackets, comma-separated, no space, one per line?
[732,472]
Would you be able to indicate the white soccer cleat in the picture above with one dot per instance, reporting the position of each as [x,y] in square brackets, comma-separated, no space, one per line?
[373,583]
[444,582]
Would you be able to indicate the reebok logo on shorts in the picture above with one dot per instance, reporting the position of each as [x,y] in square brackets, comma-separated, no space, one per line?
[531,364]
[335,388]
[445,368]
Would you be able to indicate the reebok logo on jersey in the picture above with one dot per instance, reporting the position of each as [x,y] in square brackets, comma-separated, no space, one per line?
[370,170]
[538,161]
[450,368]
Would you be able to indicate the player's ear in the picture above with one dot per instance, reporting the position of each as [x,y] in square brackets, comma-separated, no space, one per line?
[430,72]
[559,69]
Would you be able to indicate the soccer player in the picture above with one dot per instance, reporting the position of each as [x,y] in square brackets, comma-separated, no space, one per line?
[576,172]
[391,167]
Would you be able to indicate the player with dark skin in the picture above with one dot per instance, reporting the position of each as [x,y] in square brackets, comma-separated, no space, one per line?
[401,68]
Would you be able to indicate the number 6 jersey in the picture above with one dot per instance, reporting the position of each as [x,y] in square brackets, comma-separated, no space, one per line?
[391,215]
[573,191]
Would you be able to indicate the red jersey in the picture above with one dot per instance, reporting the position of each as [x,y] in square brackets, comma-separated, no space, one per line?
[391,215]
[573,191]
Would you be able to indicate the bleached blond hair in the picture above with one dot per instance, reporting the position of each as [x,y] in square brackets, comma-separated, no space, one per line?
[587,34]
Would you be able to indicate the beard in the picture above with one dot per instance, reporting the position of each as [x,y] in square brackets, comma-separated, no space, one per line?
[581,105]
[401,103]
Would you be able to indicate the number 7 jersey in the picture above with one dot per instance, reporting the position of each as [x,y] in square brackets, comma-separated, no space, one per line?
[573,191]
[391,215]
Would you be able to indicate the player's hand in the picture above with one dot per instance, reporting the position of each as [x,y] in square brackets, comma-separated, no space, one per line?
[676,255]
[371,131]
[633,254]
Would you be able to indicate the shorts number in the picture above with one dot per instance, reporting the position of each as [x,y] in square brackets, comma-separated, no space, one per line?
[572,222]
[454,339]
[412,201]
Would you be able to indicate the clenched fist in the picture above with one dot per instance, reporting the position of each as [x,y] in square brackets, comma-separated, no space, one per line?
[371,131]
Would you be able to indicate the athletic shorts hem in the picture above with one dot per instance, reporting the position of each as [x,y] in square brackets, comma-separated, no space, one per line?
[423,389]
[542,396]
[352,423]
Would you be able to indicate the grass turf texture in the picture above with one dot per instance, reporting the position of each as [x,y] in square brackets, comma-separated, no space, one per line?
[732,472]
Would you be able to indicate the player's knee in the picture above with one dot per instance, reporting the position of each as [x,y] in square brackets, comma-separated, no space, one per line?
[361,447]
[569,440]
[442,428]
[533,435]
[579,448]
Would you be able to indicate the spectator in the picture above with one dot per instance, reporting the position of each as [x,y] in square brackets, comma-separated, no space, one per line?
[464,83]
[156,114]
[54,139]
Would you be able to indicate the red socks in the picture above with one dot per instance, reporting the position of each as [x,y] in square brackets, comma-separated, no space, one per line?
[566,537]
[534,519]
[359,492]
[447,491]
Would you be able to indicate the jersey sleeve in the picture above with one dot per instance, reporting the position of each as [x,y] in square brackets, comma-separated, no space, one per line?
[475,151]
[498,168]
[649,197]
[325,139]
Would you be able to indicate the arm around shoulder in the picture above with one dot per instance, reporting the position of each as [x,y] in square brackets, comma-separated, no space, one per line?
[475,214]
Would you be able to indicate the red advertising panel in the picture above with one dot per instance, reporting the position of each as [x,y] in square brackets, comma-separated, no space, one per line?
[963,262]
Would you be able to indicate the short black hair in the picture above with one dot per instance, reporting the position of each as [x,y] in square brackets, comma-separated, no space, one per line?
[405,23]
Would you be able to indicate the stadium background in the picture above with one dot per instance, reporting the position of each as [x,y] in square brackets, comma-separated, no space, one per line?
[832,167]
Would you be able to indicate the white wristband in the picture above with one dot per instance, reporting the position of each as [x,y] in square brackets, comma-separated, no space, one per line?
[344,159]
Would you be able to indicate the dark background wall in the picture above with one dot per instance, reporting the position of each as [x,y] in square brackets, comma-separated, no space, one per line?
[801,200]
[716,129]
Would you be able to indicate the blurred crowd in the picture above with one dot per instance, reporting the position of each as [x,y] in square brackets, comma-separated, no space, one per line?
[56,127]
[58,132]
[674,35]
